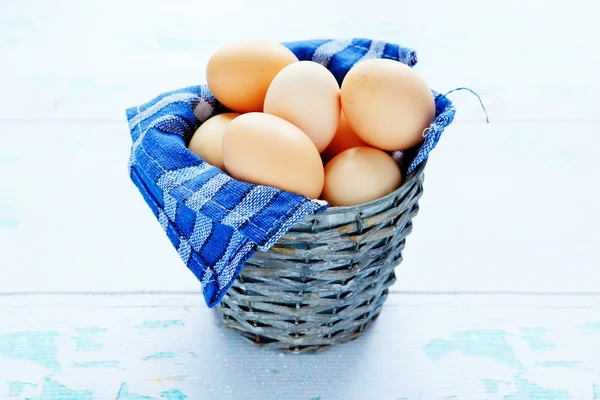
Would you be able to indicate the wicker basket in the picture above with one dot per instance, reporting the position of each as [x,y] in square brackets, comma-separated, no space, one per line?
[326,280]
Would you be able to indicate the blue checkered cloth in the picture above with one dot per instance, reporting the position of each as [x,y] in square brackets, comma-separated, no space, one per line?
[214,221]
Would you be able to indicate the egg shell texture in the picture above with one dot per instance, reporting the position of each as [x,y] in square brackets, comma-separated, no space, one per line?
[239,73]
[207,141]
[387,104]
[306,94]
[359,175]
[268,150]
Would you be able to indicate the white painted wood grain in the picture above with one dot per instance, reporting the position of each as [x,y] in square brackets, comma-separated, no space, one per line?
[80,222]
[422,347]
[507,207]
[68,60]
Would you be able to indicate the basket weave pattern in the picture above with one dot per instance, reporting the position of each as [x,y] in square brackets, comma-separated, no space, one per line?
[326,280]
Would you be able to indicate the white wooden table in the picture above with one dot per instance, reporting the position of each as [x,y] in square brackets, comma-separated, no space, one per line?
[498,296]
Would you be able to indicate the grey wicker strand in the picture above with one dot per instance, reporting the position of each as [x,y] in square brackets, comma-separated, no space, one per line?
[327,278]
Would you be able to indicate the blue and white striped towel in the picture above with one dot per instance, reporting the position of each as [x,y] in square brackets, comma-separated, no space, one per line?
[216,222]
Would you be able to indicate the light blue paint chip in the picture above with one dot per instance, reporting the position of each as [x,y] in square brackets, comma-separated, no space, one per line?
[527,390]
[533,337]
[161,324]
[591,325]
[97,364]
[491,385]
[173,395]
[160,355]
[12,41]
[84,339]
[125,394]
[535,331]
[482,343]
[11,24]
[54,390]
[9,223]
[596,390]
[16,389]
[558,364]
[36,346]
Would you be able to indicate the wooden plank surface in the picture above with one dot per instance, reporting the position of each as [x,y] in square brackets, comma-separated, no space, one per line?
[497,297]
[530,60]
[422,347]
[507,207]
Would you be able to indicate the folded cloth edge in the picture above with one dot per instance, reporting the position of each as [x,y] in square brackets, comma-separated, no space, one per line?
[198,99]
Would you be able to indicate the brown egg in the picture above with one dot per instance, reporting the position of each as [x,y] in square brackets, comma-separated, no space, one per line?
[207,141]
[359,175]
[307,95]
[268,150]
[239,73]
[387,103]
[344,139]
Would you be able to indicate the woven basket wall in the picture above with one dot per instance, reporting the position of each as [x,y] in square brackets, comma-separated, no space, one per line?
[326,280]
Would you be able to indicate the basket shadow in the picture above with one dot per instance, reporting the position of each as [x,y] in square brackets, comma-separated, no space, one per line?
[267,373]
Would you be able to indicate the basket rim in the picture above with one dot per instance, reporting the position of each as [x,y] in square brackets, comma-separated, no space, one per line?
[332,210]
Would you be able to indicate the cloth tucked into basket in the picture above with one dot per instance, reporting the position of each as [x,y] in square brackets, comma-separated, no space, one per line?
[215,222]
